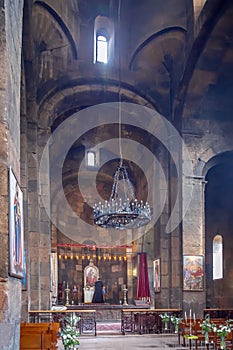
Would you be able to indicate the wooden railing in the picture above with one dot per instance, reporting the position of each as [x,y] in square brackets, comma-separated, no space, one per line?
[219,313]
[145,320]
[86,325]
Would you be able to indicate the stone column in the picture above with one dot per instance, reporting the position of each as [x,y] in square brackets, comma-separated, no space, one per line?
[39,227]
[194,237]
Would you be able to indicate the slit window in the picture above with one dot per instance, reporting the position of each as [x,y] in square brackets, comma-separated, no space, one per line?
[101,49]
[217,257]
[91,158]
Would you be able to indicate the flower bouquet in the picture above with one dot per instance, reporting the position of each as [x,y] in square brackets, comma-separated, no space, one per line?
[206,327]
[69,333]
[165,319]
[222,331]
[176,321]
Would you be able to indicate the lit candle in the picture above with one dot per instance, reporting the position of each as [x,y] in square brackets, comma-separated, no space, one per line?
[185,317]
[194,317]
[190,321]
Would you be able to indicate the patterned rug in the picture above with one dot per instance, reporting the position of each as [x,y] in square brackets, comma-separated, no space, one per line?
[112,327]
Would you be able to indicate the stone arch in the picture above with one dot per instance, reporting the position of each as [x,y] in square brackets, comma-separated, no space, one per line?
[218,221]
[70,99]
[215,160]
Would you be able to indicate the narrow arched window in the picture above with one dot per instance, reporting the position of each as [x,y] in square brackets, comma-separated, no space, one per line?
[101,49]
[91,158]
[217,257]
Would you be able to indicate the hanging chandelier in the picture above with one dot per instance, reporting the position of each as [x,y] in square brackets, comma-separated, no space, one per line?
[121,212]
[124,212]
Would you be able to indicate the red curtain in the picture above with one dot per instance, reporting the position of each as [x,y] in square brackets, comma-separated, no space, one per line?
[143,286]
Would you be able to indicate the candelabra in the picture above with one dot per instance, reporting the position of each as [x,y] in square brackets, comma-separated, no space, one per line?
[67,295]
[191,322]
[125,290]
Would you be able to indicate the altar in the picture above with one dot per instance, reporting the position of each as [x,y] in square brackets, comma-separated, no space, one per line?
[88,294]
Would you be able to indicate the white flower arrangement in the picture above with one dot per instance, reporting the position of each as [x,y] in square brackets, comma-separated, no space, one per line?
[206,325]
[69,333]
[222,330]
[165,317]
[176,320]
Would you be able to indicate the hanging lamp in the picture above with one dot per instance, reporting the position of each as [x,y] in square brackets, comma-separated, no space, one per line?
[124,212]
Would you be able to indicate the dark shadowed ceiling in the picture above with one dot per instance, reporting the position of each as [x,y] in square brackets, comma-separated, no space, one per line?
[174,59]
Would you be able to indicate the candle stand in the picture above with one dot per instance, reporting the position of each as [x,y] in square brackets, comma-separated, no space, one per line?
[67,296]
[125,290]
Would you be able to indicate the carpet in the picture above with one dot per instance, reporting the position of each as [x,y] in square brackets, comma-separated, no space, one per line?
[108,327]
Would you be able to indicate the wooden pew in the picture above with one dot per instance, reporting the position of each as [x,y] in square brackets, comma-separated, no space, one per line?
[187,333]
[32,340]
[41,336]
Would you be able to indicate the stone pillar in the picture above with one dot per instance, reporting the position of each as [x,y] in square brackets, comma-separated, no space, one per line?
[194,238]
[39,227]
[168,245]
[129,284]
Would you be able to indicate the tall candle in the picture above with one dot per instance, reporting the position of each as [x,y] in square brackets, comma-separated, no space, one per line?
[185,317]
[194,317]
[67,285]
[190,313]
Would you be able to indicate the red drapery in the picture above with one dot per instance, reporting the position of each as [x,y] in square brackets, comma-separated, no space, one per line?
[143,285]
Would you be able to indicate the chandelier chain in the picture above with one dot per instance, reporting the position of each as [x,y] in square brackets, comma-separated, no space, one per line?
[117,212]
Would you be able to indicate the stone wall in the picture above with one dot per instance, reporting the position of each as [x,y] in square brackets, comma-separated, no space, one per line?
[11,14]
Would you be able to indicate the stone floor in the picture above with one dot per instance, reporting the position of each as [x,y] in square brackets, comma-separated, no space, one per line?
[128,342]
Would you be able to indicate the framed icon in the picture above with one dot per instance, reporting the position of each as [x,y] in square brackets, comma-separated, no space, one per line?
[193,272]
[16,227]
[156,275]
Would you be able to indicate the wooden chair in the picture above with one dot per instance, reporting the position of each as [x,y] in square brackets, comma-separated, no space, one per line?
[184,332]
[201,336]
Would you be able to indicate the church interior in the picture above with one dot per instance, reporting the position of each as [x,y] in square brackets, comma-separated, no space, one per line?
[116,156]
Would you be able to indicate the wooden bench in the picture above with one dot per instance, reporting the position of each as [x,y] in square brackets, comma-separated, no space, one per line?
[39,336]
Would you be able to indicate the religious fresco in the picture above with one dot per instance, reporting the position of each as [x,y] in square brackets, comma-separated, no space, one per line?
[193,272]
[16,227]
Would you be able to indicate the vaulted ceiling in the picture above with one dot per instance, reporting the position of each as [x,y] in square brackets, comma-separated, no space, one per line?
[176,60]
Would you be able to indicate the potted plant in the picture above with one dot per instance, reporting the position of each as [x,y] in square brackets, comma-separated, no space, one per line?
[165,319]
[69,333]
